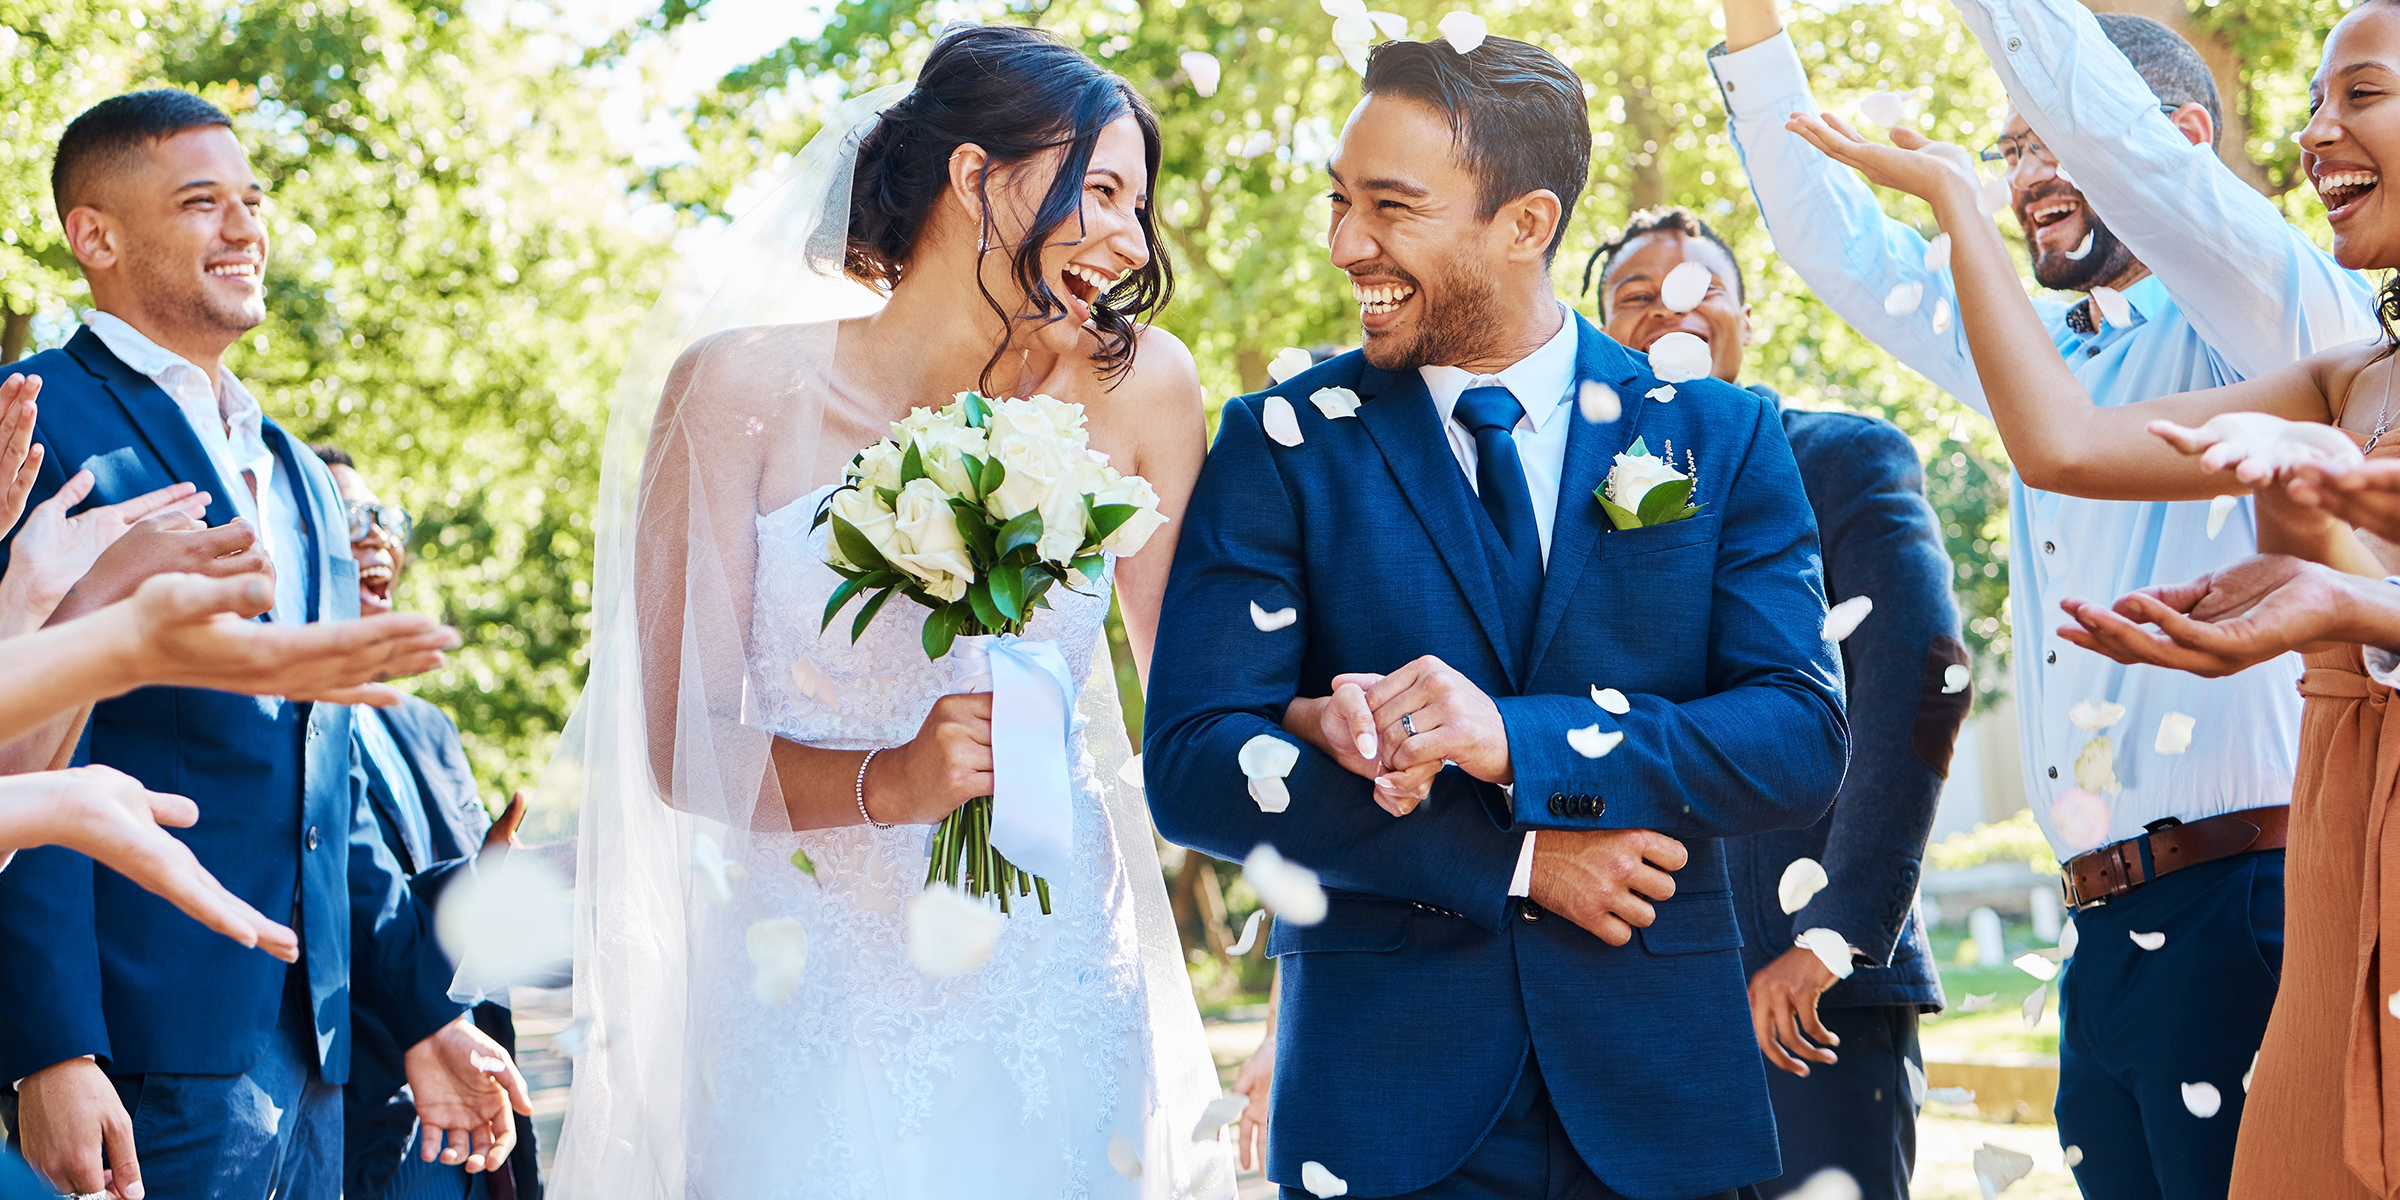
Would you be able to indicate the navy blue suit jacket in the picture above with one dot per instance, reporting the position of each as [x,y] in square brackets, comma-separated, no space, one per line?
[91,963]
[1421,992]
[1881,541]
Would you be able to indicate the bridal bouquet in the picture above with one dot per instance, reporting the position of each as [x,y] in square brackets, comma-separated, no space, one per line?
[975,510]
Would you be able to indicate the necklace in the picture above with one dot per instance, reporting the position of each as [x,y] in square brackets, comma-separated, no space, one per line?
[2383,419]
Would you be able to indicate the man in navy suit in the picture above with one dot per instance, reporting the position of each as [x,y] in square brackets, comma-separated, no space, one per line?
[1522,730]
[141,1046]
[1849,1071]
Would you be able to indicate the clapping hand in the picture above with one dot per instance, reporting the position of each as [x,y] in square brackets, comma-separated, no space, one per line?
[465,1086]
[20,459]
[2224,621]
[2260,449]
[55,550]
[188,631]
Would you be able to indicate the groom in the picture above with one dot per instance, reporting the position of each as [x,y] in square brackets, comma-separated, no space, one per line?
[1487,1010]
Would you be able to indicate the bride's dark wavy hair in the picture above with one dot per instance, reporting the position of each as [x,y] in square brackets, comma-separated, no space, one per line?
[1016,92]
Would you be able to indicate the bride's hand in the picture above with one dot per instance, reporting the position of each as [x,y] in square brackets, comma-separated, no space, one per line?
[1913,163]
[2259,448]
[948,763]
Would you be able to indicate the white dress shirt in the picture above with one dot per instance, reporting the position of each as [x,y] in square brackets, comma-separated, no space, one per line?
[1544,382]
[231,428]
[2237,292]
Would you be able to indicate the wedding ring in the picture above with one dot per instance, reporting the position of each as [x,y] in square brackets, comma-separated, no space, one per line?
[1408,724]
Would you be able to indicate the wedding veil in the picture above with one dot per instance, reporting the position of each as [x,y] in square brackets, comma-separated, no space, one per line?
[715,408]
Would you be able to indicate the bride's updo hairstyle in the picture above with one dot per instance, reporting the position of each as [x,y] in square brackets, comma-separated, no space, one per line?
[1016,92]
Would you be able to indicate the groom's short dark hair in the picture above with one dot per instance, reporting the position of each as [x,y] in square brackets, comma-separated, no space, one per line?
[108,132]
[1518,115]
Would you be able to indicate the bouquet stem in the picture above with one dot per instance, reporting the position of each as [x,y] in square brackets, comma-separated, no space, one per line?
[965,858]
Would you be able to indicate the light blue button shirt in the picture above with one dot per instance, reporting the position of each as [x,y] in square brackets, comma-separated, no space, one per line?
[2238,292]
[386,759]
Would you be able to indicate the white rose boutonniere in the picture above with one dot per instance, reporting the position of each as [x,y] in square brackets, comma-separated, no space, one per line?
[1644,489]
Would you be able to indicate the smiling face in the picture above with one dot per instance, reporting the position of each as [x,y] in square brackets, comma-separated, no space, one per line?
[174,236]
[1089,253]
[2071,248]
[378,558]
[1407,230]
[1635,314]
[2353,127]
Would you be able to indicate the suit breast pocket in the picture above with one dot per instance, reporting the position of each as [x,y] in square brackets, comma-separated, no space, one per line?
[1646,598]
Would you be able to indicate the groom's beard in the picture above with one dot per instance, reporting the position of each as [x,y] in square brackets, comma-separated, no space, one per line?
[2107,259]
[1450,329]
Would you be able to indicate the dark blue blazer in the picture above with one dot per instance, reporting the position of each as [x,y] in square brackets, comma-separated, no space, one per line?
[1881,541]
[89,962]
[1425,988]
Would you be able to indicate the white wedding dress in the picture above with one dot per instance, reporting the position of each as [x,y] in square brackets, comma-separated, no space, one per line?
[875,1080]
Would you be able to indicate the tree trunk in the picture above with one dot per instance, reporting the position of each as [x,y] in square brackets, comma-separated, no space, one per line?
[13,335]
[2233,137]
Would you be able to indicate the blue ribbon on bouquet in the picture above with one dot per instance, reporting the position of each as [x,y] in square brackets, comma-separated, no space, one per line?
[1033,702]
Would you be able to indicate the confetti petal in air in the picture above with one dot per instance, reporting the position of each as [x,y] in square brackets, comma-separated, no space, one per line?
[1353,35]
[950,934]
[2092,717]
[1831,948]
[1267,760]
[2113,306]
[1679,357]
[2034,1004]
[585,1034]
[1994,195]
[2219,509]
[1832,1183]
[2037,966]
[1977,1002]
[2254,1068]
[1842,619]
[1464,31]
[1904,298]
[1122,1155]
[2083,249]
[812,682]
[2174,734]
[1883,108]
[1996,1167]
[1335,402]
[1663,393]
[1611,700]
[2393,1004]
[2148,941]
[2096,767]
[715,871]
[1801,882]
[1916,1081]
[2202,1099]
[1261,142]
[1289,361]
[1280,422]
[1269,622]
[2074,1157]
[2080,817]
[1955,678]
[1321,1182]
[2068,938]
[505,923]
[1950,1095]
[1941,314]
[1249,936]
[1598,402]
[1221,1112]
[1203,69]
[1937,253]
[1286,887]
[1685,287]
[2064,176]
[802,863]
[1131,773]
[1591,743]
[778,957]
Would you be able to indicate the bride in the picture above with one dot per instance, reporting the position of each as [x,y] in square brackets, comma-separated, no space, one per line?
[739,766]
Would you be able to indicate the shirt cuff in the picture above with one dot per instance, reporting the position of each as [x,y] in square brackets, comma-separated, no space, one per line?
[1765,81]
[1521,883]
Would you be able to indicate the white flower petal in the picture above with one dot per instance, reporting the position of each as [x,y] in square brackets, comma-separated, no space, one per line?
[1916,1081]
[1338,9]
[1937,253]
[1249,938]
[1269,622]
[1271,794]
[2254,1069]
[2202,1099]
[2096,767]
[1950,1095]
[1269,756]
[1994,195]
[1941,314]
[2037,966]
[1131,772]
[1597,402]
[2219,509]
[1883,108]
[778,956]
[715,873]
[1663,393]
[1904,298]
[1591,743]
[1289,361]
[1221,1112]
[1832,1183]
[1685,287]
[2068,938]
[1955,678]
[2393,1004]
[505,923]
[2083,248]
[1801,881]
[1831,948]
[1288,888]
[2064,176]
[1259,142]
[2148,941]
[2080,817]
[2034,1004]
[1122,1155]
[1678,357]
[1611,700]
[1321,1182]
[1842,619]
[1390,24]
[584,1034]
[1280,422]
[1464,31]
[2094,716]
[2074,1156]
[1204,71]
[810,680]
[2174,734]
[950,933]
[2113,306]
[1336,402]
[1996,1167]
[1353,35]
[1977,1002]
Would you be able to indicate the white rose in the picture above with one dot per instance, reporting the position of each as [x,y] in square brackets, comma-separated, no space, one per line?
[1062,523]
[925,420]
[878,466]
[930,547]
[1634,476]
[943,453]
[1039,417]
[1036,464]
[1135,532]
[865,513]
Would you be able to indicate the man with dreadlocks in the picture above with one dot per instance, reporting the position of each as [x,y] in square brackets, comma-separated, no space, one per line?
[1846,1049]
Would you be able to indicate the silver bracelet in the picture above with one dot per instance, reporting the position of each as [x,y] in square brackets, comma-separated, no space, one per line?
[862,789]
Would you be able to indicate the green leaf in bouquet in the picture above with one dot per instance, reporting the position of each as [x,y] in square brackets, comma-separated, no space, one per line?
[1107,517]
[912,466]
[1618,517]
[974,472]
[1024,530]
[990,475]
[976,527]
[979,598]
[1038,579]
[1091,565]
[825,510]
[842,594]
[941,629]
[978,410]
[858,628]
[1664,501]
[855,547]
[889,496]
[1008,591]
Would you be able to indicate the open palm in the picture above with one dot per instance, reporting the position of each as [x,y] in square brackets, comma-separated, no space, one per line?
[53,550]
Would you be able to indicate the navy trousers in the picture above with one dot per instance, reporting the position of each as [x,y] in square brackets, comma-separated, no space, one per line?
[2137,1025]
[1856,1114]
[18,1182]
[1526,1156]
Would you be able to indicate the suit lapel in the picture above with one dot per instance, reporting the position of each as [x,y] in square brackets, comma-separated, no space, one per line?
[304,498]
[159,420]
[1591,450]
[1399,416]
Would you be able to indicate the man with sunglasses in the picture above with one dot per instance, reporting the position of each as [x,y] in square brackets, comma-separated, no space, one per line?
[2192,280]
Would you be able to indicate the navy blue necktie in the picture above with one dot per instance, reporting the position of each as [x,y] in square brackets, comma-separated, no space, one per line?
[1490,413]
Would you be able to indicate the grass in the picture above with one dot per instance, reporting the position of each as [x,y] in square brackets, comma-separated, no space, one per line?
[1999,1028]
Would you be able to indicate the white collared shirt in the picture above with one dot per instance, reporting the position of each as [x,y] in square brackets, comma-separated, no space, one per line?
[1543,381]
[232,429]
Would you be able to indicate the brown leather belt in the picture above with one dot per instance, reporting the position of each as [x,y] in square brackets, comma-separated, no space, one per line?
[2097,876]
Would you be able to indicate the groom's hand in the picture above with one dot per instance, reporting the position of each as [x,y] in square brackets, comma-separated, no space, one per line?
[1599,878]
[1427,714]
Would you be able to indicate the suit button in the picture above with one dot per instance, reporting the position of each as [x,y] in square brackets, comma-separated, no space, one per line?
[1527,910]
[312,839]
[1599,805]
[1558,804]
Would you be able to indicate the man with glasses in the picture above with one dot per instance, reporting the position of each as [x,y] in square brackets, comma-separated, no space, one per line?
[413,771]
[2192,280]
